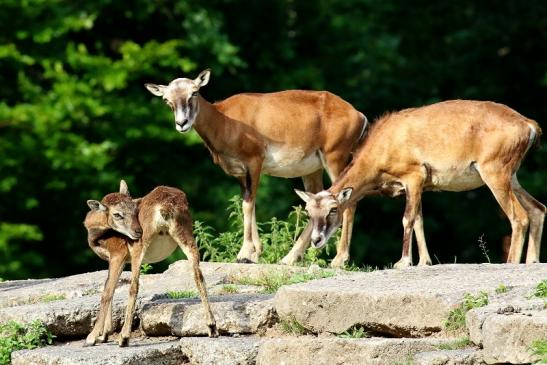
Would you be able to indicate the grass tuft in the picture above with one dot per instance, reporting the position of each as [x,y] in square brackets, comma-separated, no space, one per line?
[291,326]
[456,344]
[271,282]
[51,297]
[15,336]
[230,289]
[456,317]
[182,294]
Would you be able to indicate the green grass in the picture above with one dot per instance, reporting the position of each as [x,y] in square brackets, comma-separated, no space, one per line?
[271,282]
[354,332]
[456,344]
[182,294]
[456,317]
[91,291]
[230,289]
[541,289]
[501,289]
[51,297]
[277,236]
[539,349]
[291,326]
[15,336]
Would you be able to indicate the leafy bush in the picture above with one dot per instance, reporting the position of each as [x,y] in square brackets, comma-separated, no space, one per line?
[277,237]
[15,336]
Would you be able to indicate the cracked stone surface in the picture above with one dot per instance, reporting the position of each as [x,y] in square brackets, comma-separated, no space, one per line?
[412,302]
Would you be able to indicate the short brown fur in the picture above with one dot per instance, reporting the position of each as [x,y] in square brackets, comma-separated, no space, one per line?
[166,223]
[455,145]
[294,133]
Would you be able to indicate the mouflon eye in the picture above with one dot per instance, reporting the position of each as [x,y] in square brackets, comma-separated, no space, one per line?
[333,211]
[195,93]
[117,216]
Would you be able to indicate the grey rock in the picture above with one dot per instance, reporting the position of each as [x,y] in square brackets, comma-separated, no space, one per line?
[411,302]
[241,314]
[470,356]
[220,351]
[140,352]
[337,351]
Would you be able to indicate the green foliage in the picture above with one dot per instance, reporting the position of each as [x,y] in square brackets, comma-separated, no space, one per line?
[354,332]
[456,344]
[52,298]
[541,289]
[501,289]
[456,317]
[277,237]
[539,349]
[146,268]
[182,294]
[15,336]
[271,281]
[291,326]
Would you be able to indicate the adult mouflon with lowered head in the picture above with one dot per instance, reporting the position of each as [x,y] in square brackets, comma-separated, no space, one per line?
[456,145]
[159,222]
[293,133]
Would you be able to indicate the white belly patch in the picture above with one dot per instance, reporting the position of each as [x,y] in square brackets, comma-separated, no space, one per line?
[160,248]
[456,179]
[283,162]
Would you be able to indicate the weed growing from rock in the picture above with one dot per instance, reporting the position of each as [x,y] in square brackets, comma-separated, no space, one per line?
[146,268]
[354,332]
[182,294]
[456,317]
[271,282]
[456,344]
[15,336]
[539,349]
[292,327]
[501,289]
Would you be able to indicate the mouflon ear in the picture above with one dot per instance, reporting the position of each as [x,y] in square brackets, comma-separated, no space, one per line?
[123,188]
[304,195]
[96,205]
[203,78]
[344,195]
[157,90]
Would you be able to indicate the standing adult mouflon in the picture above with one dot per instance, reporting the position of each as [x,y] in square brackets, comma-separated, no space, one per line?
[294,133]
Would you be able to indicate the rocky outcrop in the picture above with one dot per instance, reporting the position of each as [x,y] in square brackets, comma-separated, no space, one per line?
[404,310]
[412,302]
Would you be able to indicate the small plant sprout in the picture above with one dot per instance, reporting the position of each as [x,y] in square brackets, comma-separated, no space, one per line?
[146,268]
[501,289]
[354,332]
[271,282]
[52,297]
[456,317]
[291,326]
[482,246]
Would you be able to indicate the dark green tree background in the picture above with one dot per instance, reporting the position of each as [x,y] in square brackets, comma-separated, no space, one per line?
[75,117]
